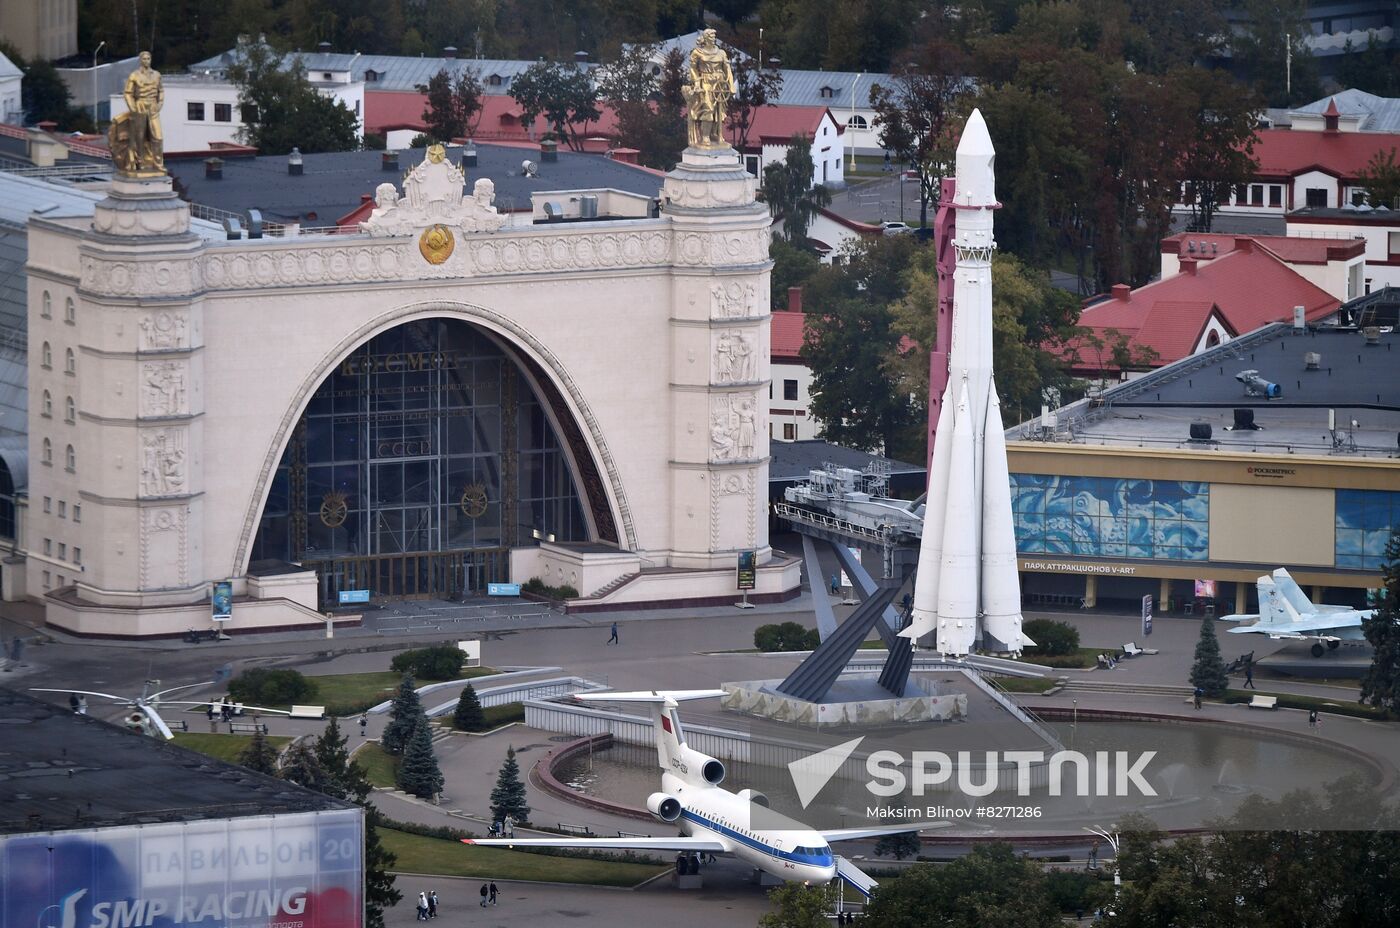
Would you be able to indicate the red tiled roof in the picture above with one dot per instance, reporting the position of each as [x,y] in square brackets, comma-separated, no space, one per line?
[1248,287]
[778,124]
[1286,152]
[787,330]
[1293,249]
[499,118]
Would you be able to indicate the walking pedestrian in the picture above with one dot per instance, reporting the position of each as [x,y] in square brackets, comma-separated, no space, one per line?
[1196,696]
[484,891]
[613,639]
[364,723]
[493,892]
[422,906]
[1312,718]
[1249,676]
[835,584]
[432,903]
[73,702]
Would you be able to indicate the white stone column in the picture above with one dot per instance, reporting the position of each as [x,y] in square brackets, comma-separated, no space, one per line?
[720,346]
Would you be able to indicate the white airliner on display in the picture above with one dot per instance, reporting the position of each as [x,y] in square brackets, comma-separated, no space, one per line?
[715,820]
[1285,612]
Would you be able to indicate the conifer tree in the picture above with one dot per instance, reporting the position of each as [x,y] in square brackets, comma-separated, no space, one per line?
[345,779]
[1208,670]
[1381,685]
[304,769]
[403,716]
[508,796]
[259,755]
[380,893]
[468,716]
[419,773]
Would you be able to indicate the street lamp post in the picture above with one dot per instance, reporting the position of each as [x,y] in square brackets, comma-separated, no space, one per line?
[1110,836]
[849,135]
[94,82]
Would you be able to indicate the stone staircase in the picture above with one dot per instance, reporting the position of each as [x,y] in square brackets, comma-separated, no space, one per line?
[614,584]
[1073,686]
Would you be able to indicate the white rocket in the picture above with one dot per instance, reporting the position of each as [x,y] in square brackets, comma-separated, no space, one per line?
[967,559]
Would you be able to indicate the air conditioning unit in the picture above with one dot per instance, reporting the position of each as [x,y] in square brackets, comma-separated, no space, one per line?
[1200,431]
[1312,361]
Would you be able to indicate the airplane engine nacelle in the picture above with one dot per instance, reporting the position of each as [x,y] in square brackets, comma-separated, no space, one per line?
[754,796]
[710,769]
[664,806]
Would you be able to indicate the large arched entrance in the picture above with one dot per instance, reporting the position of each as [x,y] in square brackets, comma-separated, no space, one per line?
[429,453]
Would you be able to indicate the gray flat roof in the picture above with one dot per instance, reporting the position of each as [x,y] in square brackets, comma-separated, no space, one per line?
[61,771]
[334,182]
[1358,381]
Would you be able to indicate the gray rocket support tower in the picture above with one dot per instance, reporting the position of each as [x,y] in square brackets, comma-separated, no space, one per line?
[967,589]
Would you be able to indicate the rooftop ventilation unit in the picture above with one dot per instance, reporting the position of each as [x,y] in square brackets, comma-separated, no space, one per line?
[553,210]
[1372,334]
[529,168]
[1254,385]
[1312,361]
[1200,431]
[1244,421]
[588,206]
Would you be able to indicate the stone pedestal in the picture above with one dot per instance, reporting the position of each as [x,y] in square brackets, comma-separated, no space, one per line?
[708,179]
[143,207]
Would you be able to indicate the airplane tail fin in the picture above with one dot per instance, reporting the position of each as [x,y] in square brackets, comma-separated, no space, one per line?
[1292,593]
[1275,609]
[670,738]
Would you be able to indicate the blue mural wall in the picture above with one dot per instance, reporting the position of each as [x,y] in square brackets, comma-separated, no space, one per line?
[1111,517]
[1365,519]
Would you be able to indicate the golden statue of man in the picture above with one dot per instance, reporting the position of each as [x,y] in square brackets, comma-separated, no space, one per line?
[708,94]
[138,146]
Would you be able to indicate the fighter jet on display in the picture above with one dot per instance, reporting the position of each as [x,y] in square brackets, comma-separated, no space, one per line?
[717,821]
[1285,612]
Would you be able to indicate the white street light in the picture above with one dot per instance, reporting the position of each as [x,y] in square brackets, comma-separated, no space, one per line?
[94,82]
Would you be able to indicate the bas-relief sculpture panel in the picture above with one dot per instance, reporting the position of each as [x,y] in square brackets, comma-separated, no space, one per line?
[163,462]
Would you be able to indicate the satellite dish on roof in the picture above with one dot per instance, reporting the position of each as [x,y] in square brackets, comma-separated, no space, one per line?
[529,168]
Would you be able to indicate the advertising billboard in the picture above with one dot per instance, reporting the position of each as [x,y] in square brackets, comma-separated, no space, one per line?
[747,573]
[222,601]
[300,870]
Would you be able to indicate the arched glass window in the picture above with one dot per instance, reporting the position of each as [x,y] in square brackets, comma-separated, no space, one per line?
[48,452]
[70,312]
[70,410]
[858,122]
[46,309]
[70,459]
[47,409]
[70,365]
[46,357]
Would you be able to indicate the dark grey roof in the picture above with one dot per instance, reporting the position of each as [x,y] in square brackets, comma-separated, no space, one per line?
[333,183]
[1357,380]
[791,461]
[61,771]
[1379,114]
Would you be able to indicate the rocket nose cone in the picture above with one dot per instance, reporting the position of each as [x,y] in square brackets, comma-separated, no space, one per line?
[976,140]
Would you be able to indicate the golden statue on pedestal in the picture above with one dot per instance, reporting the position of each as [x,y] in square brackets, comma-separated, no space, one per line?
[708,94]
[135,138]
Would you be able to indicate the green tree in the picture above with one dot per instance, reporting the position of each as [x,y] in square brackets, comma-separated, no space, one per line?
[259,755]
[281,108]
[851,333]
[508,795]
[1381,685]
[403,716]
[918,110]
[1214,131]
[562,94]
[1381,178]
[1372,69]
[435,662]
[647,105]
[269,686]
[1051,637]
[732,12]
[453,104]
[301,766]
[988,886]
[418,772]
[755,87]
[1207,669]
[791,192]
[43,95]
[468,715]
[792,267]
[795,905]
[899,845]
[1271,52]
[345,779]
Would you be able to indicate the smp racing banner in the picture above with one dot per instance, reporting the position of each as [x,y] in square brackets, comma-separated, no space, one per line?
[299,870]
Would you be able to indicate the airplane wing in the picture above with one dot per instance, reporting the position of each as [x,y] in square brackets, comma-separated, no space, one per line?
[1311,625]
[650,696]
[606,844]
[879,831]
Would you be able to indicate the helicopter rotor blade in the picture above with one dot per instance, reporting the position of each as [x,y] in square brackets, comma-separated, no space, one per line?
[157,721]
[123,699]
[176,689]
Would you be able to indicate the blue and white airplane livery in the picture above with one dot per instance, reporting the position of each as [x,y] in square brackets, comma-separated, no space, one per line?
[714,820]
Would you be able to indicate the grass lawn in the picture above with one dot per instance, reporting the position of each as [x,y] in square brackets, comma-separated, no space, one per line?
[224,747]
[1025,684]
[348,693]
[382,769]
[1078,658]
[417,854]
